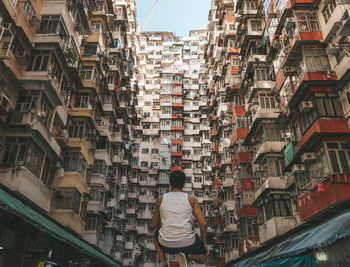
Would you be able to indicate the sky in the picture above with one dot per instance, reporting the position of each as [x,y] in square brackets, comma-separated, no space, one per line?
[178,16]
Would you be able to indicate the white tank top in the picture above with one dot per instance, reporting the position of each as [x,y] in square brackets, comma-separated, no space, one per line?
[176,215]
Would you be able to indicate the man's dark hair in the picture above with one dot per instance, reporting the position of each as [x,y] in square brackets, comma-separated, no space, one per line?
[177,179]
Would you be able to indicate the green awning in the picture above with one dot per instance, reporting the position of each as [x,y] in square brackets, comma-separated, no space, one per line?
[289,153]
[307,260]
[13,205]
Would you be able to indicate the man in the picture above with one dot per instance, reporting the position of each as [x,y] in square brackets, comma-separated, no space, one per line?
[173,224]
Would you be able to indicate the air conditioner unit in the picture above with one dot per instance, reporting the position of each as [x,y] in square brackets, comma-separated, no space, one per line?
[332,49]
[298,168]
[305,106]
[289,71]
[308,157]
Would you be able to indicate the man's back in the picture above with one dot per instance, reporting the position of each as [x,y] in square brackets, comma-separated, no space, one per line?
[176,215]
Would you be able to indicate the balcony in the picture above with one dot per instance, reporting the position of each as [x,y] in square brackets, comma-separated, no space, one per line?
[336,190]
[142,230]
[176,168]
[69,219]
[323,127]
[95,207]
[148,183]
[146,199]
[145,215]
[307,79]
[176,128]
[36,123]
[197,185]
[276,226]
[131,211]
[232,227]
[73,179]
[82,112]
[271,183]
[83,145]
[268,147]
[20,179]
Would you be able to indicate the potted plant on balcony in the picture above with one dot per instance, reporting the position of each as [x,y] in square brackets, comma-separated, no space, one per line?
[71,56]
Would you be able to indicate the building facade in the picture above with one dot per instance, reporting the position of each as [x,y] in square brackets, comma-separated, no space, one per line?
[174,129]
[278,80]
[68,93]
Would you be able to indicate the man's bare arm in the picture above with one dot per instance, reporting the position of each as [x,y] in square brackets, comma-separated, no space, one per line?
[156,215]
[200,218]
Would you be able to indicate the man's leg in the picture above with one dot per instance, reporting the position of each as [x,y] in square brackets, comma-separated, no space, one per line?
[199,258]
[160,252]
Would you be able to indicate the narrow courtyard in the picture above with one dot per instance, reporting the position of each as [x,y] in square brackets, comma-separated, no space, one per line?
[101,100]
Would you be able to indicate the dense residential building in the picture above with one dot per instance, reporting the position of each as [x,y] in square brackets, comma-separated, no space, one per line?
[68,95]
[94,115]
[278,82]
[174,132]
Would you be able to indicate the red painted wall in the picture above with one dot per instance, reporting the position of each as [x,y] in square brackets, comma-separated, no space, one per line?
[313,201]
[325,126]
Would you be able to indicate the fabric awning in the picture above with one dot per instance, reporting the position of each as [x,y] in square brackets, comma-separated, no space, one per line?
[13,205]
[307,260]
[320,236]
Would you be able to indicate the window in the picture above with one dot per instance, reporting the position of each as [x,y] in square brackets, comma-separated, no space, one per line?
[91,49]
[325,105]
[256,25]
[328,9]
[155,151]
[252,5]
[261,74]
[275,167]
[91,224]
[277,206]
[87,73]
[339,156]
[307,118]
[23,151]
[100,6]
[28,10]
[68,198]
[51,24]
[154,165]
[77,130]
[307,21]
[328,106]
[74,161]
[187,165]
[166,111]
[96,193]
[144,164]
[99,167]
[145,151]
[271,133]
[39,60]
[81,100]
[316,59]
[96,26]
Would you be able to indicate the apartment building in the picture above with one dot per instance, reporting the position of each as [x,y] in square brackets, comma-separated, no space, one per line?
[68,90]
[282,70]
[172,106]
